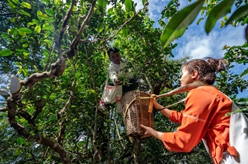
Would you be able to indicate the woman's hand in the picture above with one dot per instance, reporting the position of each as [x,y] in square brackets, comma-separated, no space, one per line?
[148,130]
[156,104]
[151,132]
[163,110]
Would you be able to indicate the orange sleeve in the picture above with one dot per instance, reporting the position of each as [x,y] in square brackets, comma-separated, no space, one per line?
[193,121]
[175,116]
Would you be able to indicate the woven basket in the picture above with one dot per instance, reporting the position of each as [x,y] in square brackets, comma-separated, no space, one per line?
[136,113]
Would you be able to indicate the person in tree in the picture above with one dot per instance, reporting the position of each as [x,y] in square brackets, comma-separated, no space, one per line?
[121,76]
[119,73]
[204,117]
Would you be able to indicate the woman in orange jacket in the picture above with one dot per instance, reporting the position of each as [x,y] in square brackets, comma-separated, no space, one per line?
[204,117]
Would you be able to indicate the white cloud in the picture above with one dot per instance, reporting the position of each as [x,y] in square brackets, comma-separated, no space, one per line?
[139,4]
[155,7]
[196,43]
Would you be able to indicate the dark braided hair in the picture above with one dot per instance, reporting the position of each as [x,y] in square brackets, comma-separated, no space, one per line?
[112,49]
[206,68]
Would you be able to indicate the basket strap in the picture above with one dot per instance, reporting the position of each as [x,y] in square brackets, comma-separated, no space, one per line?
[182,89]
[180,101]
[178,90]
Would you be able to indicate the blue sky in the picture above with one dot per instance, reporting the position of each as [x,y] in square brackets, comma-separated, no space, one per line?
[195,42]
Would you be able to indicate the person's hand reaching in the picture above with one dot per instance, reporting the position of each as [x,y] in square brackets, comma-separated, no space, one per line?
[118,82]
[151,132]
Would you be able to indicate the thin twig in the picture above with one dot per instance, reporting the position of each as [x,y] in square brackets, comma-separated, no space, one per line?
[83,25]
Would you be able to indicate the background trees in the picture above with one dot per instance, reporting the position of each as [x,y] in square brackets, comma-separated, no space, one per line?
[58,49]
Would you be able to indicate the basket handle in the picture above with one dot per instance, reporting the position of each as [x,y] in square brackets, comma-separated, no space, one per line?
[182,89]
[178,90]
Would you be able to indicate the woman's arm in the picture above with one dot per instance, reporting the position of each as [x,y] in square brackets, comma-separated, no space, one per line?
[150,131]
[164,111]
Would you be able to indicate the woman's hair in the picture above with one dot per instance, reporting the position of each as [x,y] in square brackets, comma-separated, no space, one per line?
[112,49]
[206,68]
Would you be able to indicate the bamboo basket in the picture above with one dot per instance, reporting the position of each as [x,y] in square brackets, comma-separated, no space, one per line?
[135,112]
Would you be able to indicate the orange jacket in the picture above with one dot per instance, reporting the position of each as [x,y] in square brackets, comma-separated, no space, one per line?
[204,117]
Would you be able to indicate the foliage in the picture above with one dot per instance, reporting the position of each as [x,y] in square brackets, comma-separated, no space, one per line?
[179,22]
[55,117]
[183,18]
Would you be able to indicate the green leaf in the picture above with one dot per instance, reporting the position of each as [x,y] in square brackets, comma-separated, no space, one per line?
[240,12]
[245,45]
[24,45]
[244,73]
[37,29]
[125,32]
[49,42]
[52,96]
[199,20]
[26,5]
[12,31]
[49,12]
[27,30]
[30,23]
[39,14]
[5,35]
[179,23]
[128,5]
[217,12]
[243,101]
[15,1]
[21,33]
[144,2]
[21,50]
[5,52]
[57,2]
[102,4]
[245,21]
[24,13]
[92,91]
[11,4]
[36,21]
[47,26]
[45,1]
[20,140]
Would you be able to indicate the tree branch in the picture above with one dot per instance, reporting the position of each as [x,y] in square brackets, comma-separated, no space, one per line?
[36,137]
[62,118]
[3,109]
[87,19]
[57,70]
[119,135]
[117,32]
[66,19]
[111,37]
